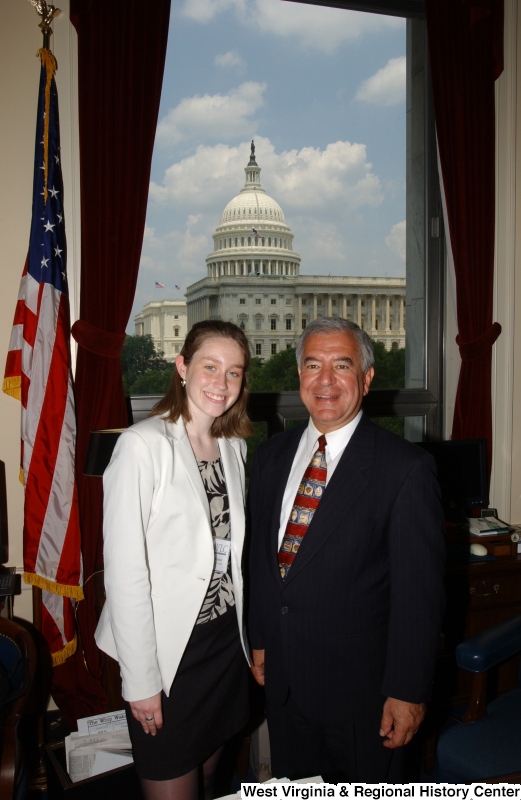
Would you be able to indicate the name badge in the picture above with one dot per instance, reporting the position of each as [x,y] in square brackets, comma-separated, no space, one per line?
[222,554]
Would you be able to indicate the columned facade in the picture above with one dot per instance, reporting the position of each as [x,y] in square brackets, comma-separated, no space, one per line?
[274,310]
[165,321]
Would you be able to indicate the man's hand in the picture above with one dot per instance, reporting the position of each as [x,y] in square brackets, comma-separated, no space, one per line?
[148,713]
[400,721]
[257,667]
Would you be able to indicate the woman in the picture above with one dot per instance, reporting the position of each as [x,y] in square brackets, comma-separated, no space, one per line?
[173,537]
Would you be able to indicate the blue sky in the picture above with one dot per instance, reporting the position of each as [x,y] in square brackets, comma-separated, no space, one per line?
[322,92]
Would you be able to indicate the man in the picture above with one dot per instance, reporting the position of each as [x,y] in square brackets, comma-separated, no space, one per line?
[346,574]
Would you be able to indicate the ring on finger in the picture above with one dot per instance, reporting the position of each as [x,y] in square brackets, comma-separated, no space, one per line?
[149,719]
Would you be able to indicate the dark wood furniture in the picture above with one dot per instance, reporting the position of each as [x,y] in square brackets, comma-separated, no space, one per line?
[479,595]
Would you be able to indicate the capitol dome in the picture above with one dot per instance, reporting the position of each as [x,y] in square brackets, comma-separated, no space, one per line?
[253,220]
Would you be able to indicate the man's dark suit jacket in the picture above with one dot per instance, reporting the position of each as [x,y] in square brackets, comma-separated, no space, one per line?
[358,618]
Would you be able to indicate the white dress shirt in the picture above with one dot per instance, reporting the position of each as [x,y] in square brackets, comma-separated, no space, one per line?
[336,443]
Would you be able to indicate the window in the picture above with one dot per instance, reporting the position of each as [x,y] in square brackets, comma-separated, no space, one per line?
[258,349]
[288,345]
[273,348]
[423,251]
[258,324]
[176,331]
[273,324]
[257,301]
[289,301]
[242,301]
[304,301]
[242,325]
[176,316]
[288,324]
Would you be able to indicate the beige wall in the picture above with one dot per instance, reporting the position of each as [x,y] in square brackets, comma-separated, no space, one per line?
[18,95]
[516,293]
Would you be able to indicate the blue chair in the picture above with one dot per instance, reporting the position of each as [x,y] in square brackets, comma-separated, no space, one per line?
[486,746]
[16,646]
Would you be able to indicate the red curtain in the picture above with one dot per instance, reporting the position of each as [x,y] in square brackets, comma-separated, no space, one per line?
[121,55]
[466,56]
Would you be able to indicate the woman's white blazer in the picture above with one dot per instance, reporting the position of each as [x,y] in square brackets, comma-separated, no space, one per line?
[159,552]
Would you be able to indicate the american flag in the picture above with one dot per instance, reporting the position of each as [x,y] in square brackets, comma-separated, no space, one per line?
[38,373]
[256,234]
[177,287]
[159,285]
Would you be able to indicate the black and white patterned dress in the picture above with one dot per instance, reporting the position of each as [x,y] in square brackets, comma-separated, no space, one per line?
[209,698]
[219,597]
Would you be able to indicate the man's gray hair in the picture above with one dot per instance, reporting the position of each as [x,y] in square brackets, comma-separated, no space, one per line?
[338,325]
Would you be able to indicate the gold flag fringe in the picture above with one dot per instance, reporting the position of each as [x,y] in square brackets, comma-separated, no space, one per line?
[76,592]
[49,62]
[62,655]
[13,386]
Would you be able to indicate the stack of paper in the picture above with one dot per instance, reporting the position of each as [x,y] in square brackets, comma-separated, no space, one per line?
[486,526]
[101,744]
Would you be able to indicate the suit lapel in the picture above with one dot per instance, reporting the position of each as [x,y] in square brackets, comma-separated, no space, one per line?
[349,480]
[185,460]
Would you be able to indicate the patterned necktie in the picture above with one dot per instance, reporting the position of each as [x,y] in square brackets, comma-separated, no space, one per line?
[307,499]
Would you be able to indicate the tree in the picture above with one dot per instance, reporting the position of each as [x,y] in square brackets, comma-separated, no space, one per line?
[152,382]
[389,367]
[278,374]
[138,356]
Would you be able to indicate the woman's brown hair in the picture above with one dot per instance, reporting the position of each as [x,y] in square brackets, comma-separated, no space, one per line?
[234,421]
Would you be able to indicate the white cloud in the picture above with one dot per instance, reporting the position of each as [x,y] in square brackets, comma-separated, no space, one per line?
[219,116]
[396,239]
[314,26]
[319,242]
[311,180]
[229,59]
[387,86]
[177,251]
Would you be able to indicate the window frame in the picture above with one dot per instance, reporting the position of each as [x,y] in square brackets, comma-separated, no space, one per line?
[277,407]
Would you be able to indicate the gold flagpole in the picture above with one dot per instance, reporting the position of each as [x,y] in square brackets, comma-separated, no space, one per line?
[38,777]
[47,13]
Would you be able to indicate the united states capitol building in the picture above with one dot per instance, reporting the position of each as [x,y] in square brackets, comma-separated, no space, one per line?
[253,279]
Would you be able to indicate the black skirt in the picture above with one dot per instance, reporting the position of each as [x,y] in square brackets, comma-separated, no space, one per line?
[208,703]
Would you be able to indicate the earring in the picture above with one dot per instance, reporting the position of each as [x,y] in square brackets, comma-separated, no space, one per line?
[183,383]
